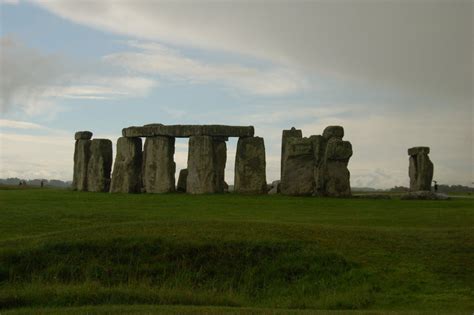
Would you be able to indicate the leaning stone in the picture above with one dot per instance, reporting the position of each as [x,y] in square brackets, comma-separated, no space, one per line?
[201,166]
[100,165]
[183,177]
[333,132]
[220,152]
[298,173]
[286,134]
[126,176]
[83,135]
[250,165]
[158,165]
[81,161]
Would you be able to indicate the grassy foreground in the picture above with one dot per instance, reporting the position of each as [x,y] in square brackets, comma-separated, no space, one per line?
[63,251]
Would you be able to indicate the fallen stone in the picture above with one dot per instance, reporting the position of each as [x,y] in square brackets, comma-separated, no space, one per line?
[181,131]
[99,166]
[182,178]
[81,161]
[201,166]
[424,195]
[298,173]
[250,165]
[83,135]
[275,188]
[158,165]
[127,173]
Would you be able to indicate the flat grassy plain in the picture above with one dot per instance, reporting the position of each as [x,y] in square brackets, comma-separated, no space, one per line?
[65,251]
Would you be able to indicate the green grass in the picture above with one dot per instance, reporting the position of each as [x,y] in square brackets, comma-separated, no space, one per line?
[69,252]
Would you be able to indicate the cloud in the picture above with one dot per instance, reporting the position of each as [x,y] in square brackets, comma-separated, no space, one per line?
[155,59]
[14,124]
[421,48]
[35,83]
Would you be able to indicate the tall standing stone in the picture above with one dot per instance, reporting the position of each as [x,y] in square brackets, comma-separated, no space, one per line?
[298,172]
[250,165]
[336,174]
[220,155]
[287,134]
[319,144]
[201,166]
[81,159]
[420,169]
[99,166]
[158,165]
[126,176]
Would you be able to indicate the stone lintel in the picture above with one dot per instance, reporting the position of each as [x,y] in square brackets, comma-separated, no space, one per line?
[418,150]
[184,131]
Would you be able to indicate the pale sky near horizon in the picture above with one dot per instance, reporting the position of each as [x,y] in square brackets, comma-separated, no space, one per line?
[395,74]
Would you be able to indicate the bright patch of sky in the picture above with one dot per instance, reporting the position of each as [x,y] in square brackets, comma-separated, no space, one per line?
[395,75]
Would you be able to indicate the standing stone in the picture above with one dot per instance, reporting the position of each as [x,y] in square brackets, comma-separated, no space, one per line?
[158,165]
[287,134]
[183,177]
[126,176]
[298,172]
[220,152]
[201,166]
[336,174]
[250,166]
[100,165]
[420,169]
[81,161]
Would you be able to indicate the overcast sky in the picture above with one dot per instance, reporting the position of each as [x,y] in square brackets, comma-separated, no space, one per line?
[395,74]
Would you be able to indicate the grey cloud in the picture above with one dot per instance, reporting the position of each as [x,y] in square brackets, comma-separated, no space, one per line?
[422,48]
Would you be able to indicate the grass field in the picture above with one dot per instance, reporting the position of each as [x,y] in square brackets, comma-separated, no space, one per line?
[64,251]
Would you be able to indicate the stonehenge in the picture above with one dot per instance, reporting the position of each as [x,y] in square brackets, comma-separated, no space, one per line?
[420,169]
[316,165]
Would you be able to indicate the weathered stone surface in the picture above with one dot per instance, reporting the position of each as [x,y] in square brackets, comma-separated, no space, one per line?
[250,165]
[126,176]
[420,169]
[298,173]
[338,150]
[83,135]
[188,131]
[99,166]
[220,152]
[158,165]
[286,134]
[81,161]
[337,179]
[183,177]
[418,150]
[201,166]
[319,153]
[333,132]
